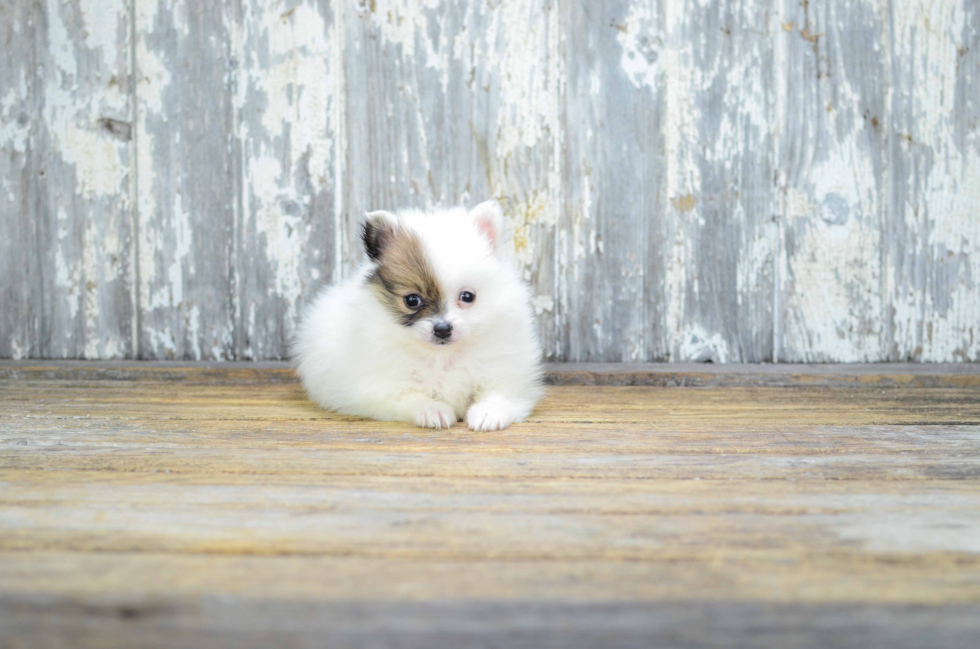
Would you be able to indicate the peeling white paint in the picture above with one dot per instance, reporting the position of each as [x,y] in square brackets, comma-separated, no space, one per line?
[832,290]
[282,233]
[523,219]
[527,114]
[755,258]
[17,350]
[403,25]
[15,131]
[698,345]
[68,277]
[556,68]
[162,341]
[639,36]
[832,187]
[844,286]
[338,123]
[72,118]
[192,322]
[542,304]
[94,253]
[180,254]
[154,75]
[683,174]
[100,23]
[938,319]
[289,70]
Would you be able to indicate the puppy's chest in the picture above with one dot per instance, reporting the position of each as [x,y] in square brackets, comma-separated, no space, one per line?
[447,378]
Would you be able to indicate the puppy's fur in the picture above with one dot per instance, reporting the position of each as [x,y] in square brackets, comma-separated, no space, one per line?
[435,328]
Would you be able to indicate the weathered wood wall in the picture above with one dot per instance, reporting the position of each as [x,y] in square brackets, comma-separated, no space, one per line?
[686,180]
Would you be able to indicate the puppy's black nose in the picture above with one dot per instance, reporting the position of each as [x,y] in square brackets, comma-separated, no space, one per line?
[442,330]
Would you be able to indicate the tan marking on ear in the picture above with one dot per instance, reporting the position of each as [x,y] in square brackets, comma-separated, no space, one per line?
[377,232]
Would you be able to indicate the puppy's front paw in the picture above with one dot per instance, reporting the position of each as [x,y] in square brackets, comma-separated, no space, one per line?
[435,415]
[484,416]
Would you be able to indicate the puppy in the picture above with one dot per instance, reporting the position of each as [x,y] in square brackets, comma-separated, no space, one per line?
[435,328]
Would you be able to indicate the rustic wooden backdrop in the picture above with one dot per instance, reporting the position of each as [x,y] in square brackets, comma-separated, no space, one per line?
[763,180]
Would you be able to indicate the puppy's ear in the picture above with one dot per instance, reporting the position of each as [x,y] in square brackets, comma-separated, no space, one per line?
[489,220]
[377,232]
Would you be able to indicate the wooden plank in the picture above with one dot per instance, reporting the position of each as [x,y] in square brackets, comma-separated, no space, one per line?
[450,104]
[773,455]
[288,104]
[19,267]
[613,230]
[931,375]
[83,164]
[786,429]
[718,141]
[577,432]
[109,580]
[453,464]
[476,517]
[932,250]
[241,622]
[189,179]
[832,180]
[752,375]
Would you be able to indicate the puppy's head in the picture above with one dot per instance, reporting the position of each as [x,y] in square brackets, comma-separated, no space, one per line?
[437,274]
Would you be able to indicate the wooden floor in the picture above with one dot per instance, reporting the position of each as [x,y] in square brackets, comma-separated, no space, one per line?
[175,506]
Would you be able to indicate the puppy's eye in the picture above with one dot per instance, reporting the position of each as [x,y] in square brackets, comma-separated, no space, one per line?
[467,297]
[413,301]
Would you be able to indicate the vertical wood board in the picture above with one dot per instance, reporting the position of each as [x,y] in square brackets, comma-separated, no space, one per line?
[287,100]
[832,176]
[19,271]
[612,231]
[71,225]
[188,182]
[718,141]
[932,233]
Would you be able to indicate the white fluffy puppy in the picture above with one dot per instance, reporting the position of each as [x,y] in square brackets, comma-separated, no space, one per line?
[434,328]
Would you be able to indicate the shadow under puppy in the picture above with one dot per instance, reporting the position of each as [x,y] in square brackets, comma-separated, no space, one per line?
[435,328]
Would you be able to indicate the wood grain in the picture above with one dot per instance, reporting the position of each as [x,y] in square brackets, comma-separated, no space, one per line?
[932,232]
[287,102]
[833,181]
[189,179]
[719,279]
[19,267]
[69,199]
[612,233]
[224,622]
[165,508]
